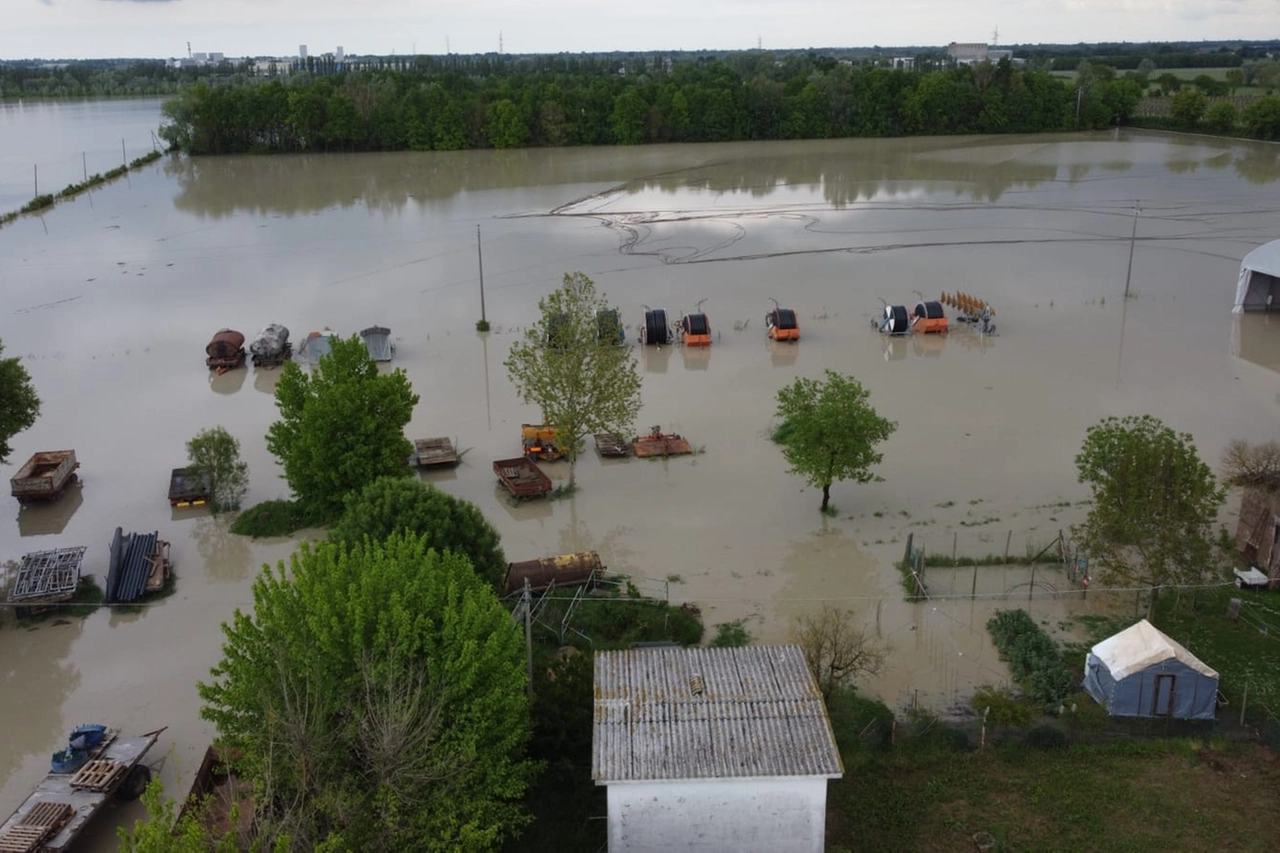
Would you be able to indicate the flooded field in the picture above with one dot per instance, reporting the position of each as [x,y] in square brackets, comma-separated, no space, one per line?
[111,298]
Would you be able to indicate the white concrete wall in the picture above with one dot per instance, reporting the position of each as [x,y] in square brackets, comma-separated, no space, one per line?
[770,815]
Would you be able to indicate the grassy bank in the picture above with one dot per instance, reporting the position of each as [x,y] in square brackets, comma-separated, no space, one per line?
[1134,795]
[45,201]
[275,518]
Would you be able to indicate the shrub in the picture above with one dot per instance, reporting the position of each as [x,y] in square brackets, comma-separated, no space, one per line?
[1006,710]
[731,635]
[858,722]
[40,202]
[1046,737]
[272,518]
[1033,657]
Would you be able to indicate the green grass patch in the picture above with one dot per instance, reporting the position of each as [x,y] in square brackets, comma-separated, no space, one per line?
[40,202]
[730,635]
[275,518]
[1238,650]
[1134,795]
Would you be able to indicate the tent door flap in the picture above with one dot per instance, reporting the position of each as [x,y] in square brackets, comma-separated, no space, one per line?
[1162,700]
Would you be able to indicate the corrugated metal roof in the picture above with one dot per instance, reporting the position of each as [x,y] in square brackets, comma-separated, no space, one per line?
[709,713]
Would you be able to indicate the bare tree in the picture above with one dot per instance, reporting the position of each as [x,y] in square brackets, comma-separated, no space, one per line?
[1252,466]
[836,650]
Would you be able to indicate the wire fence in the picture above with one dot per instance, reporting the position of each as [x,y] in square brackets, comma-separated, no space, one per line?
[51,173]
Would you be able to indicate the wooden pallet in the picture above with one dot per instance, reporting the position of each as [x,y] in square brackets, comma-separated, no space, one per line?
[48,814]
[97,775]
[24,839]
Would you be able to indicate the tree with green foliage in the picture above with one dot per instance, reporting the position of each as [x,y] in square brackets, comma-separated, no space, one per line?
[1221,117]
[377,696]
[1188,106]
[584,382]
[162,832]
[341,426]
[828,431]
[391,505]
[1154,505]
[1262,118]
[19,404]
[214,455]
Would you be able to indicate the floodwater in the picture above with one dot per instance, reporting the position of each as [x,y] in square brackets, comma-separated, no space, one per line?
[111,299]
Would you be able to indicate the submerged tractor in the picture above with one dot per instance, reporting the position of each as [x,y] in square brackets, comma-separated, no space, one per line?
[695,329]
[782,323]
[540,442]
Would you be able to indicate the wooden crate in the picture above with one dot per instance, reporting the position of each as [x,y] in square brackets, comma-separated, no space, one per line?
[24,839]
[48,814]
[97,775]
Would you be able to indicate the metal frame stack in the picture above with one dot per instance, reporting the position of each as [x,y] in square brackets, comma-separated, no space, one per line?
[48,577]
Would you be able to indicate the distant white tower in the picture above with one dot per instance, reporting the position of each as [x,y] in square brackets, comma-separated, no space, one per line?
[302,51]
[338,54]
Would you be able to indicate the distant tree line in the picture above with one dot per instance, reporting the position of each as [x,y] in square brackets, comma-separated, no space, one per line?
[752,98]
[100,79]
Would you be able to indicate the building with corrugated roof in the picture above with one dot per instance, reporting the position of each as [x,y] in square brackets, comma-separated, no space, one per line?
[712,749]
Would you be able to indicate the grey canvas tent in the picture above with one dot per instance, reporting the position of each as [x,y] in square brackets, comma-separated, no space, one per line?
[1141,672]
[1258,288]
[378,341]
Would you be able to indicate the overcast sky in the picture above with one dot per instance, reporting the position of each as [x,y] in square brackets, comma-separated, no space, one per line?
[162,28]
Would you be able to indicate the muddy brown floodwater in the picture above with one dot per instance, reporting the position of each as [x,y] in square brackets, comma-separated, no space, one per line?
[110,300]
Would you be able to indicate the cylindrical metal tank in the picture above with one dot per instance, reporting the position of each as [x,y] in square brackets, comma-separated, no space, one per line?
[565,570]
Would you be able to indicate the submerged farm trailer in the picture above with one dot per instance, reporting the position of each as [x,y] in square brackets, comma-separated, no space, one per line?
[44,476]
[62,804]
[188,488]
[522,478]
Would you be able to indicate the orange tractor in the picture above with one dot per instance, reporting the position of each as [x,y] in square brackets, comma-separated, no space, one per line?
[540,442]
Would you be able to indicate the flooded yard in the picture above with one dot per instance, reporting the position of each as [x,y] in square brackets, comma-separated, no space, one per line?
[111,298]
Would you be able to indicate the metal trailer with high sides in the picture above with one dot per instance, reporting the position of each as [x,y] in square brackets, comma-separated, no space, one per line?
[44,476]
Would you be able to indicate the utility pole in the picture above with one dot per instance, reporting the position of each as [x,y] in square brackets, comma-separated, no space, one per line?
[483,325]
[1133,236]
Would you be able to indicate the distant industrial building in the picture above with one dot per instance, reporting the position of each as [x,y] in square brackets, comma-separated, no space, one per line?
[906,63]
[338,54]
[976,53]
[302,51]
[712,750]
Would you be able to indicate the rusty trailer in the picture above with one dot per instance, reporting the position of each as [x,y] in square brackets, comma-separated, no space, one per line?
[659,443]
[522,478]
[44,476]
[434,453]
[567,570]
[62,804]
[612,446]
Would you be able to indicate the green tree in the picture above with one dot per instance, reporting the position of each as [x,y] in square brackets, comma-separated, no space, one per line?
[506,127]
[1154,504]
[1235,79]
[391,505]
[1188,106]
[19,404]
[378,697]
[340,427]
[627,121]
[160,834]
[214,454]
[583,382]
[1262,118]
[1221,117]
[829,431]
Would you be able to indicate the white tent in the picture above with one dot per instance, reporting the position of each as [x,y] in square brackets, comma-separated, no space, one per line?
[1142,672]
[1259,284]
